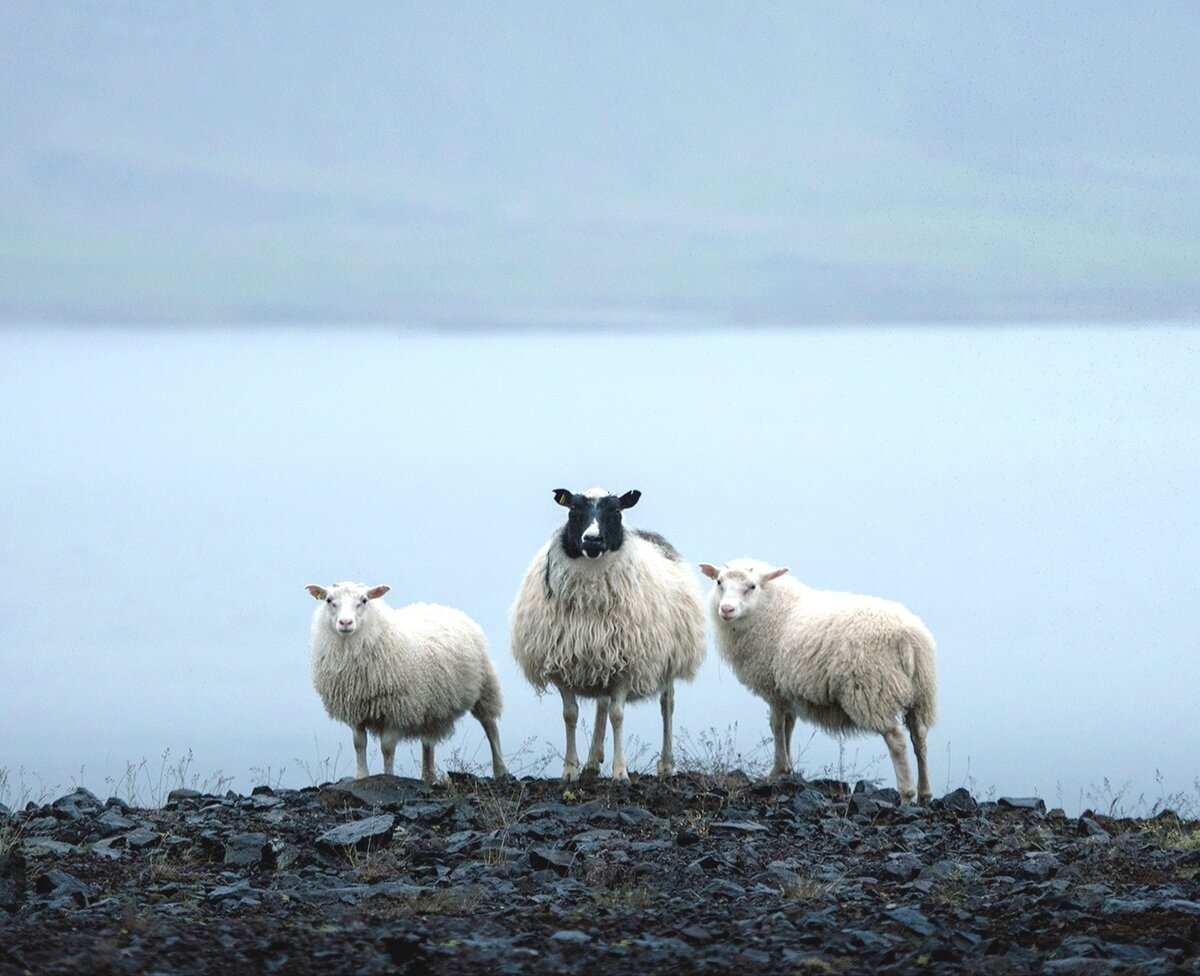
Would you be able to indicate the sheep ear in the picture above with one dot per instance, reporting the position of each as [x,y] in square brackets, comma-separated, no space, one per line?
[629,499]
[563,497]
[375,592]
[709,570]
[318,592]
[774,574]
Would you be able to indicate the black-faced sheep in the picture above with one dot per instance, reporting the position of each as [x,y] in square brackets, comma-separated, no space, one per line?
[844,662]
[610,613]
[401,673]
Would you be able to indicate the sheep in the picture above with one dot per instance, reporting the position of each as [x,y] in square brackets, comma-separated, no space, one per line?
[844,662]
[607,613]
[401,673]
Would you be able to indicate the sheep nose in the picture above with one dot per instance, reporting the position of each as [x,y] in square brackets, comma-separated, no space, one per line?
[726,610]
[345,623]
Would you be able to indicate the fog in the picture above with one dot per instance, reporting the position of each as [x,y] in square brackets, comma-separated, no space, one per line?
[1029,492]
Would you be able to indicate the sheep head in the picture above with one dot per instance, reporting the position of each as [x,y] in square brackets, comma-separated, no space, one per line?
[346,604]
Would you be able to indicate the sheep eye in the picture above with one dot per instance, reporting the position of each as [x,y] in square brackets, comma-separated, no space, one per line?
[329,600]
[751,586]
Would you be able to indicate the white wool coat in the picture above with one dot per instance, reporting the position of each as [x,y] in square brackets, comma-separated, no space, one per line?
[633,618]
[845,662]
[415,670]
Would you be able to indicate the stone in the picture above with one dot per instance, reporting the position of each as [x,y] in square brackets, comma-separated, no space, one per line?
[958,801]
[360,834]
[112,822]
[571,937]
[246,850]
[1033,804]
[12,881]
[554,859]
[740,826]
[901,867]
[1039,865]
[43,846]
[911,919]
[811,804]
[77,805]
[374,792]
[59,886]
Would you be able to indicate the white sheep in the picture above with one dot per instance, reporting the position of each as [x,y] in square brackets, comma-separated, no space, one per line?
[401,673]
[608,614]
[844,662]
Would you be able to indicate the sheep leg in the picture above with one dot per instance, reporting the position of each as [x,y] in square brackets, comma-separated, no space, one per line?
[783,764]
[666,759]
[499,770]
[616,715]
[596,752]
[427,773]
[387,742]
[788,728]
[360,751]
[894,738]
[917,732]
[570,717]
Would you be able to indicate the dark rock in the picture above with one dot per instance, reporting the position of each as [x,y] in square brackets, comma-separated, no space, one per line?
[111,822]
[143,838]
[958,801]
[1039,865]
[42,846]
[1033,804]
[901,867]
[406,948]
[79,804]
[551,858]
[911,919]
[571,937]
[811,804]
[58,886]
[361,834]
[246,850]
[382,792]
[633,816]
[181,797]
[12,881]
[423,811]
[739,826]
[1091,828]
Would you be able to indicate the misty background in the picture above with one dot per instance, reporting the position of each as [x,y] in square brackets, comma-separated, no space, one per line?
[902,296]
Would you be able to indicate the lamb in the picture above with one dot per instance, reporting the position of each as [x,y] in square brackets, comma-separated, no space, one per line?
[607,613]
[401,673]
[844,662]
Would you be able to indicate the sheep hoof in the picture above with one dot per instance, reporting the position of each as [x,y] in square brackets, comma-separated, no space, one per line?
[570,774]
[666,768]
[621,776]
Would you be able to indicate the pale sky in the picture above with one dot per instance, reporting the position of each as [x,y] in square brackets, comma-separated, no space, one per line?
[629,164]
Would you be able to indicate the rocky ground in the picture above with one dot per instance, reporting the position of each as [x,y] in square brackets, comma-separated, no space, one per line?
[693,874]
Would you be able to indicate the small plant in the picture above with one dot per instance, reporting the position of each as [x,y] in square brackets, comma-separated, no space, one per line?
[158,784]
[265,777]
[624,898]
[715,753]
[324,769]
[811,889]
